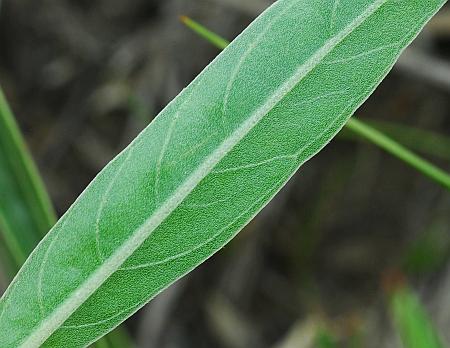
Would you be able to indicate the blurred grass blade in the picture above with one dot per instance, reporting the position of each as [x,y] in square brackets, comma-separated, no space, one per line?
[208,163]
[202,31]
[360,128]
[26,212]
[430,251]
[412,322]
[325,339]
[420,140]
[399,151]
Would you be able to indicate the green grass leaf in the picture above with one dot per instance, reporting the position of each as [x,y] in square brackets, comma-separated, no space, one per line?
[206,165]
[412,322]
[399,151]
[417,139]
[208,35]
[325,340]
[26,212]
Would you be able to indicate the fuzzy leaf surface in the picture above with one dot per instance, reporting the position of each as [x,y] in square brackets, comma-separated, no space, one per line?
[208,163]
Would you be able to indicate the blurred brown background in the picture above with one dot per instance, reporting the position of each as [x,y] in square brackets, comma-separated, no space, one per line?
[84,77]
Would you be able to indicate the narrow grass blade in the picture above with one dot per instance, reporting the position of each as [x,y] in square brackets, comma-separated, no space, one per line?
[207,34]
[208,163]
[412,322]
[373,135]
[420,140]
[370,133]
[26,212]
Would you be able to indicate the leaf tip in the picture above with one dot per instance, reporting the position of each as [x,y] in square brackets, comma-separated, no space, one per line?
[183,19]
[393,280]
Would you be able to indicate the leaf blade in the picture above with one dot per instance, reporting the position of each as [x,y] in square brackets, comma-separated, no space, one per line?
[365,130]
[26,211]
[216,137]
[413,324]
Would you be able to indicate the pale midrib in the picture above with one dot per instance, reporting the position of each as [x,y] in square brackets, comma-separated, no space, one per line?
[47,327]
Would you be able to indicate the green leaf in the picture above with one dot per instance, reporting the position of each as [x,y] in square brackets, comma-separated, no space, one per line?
[412,322]
[26,212]
[365,131]
[206,165]
[208,35]
[325,340]
[429,251]
[420,140]
[399,151]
